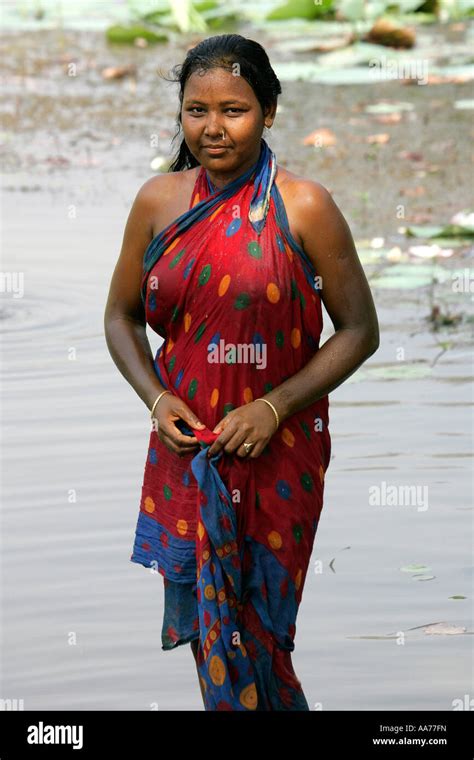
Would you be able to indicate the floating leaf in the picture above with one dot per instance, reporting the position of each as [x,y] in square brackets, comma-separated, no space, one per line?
[464,219]
[218,17]
[126,35]
[444,629]
[118,72]
[400,371]
[392,34]
[464,105]
[300,9]
[368,255]
[377,638]
[386,108]
[206,5]
[378,139]
[323,44]
[405,6]
[457,596]
[186,17]
[429,251]
[462,225]
[449,242]
[414,568]
[407,276]
[321,138]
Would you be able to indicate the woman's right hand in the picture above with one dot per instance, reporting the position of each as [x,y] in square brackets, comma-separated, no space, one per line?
[169,409]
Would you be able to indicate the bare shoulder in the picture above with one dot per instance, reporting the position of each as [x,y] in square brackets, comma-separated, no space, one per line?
[164,197]
[303,194]
[163,186]
[309,206]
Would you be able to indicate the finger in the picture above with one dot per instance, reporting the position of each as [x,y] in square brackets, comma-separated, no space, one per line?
[169,445]
[191,419]
[256,450]
[175,447]
[185,447]
[235,443]
[225,421]
[219,427]
[242,452]
[179,450]
[170,429]
[220,442]
[183,439]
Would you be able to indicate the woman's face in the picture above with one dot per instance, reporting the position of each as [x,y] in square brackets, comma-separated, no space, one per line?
[216,102]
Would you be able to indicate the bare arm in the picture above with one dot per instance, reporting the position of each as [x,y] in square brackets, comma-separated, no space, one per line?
[124,317]
[125,324]
[328,242]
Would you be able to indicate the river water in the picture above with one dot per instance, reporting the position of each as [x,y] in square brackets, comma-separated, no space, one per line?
[81,624]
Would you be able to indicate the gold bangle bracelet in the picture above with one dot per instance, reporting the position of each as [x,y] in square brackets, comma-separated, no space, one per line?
[156,401]
[274,410]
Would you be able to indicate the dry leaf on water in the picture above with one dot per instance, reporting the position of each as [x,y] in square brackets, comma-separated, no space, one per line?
[321,138]
[118,72]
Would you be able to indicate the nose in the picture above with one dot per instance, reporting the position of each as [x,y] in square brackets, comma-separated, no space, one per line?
[213,127]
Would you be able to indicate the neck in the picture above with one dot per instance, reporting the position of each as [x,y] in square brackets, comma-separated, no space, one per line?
[221,179]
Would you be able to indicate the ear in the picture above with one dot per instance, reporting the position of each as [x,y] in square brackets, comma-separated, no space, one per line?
[269,115]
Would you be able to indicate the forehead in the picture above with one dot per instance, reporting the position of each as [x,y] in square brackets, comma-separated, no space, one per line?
[217,85]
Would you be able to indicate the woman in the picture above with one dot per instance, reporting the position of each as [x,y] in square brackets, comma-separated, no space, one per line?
[228,258]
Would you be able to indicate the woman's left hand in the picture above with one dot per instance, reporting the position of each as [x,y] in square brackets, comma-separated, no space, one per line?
[251,423]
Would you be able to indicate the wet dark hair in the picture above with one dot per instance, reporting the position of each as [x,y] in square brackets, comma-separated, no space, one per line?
[224,51]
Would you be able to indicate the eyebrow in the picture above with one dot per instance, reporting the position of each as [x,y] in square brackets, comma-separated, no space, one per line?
[222,103]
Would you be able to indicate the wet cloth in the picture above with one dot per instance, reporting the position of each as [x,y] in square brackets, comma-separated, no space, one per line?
[236,300]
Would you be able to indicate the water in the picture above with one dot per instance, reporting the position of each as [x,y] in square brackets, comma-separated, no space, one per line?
[81,624]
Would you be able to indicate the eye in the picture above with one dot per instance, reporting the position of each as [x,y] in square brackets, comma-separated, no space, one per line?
[199,109]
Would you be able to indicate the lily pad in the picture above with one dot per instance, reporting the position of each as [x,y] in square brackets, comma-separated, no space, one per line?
[448,230]
[368,255]
[464,105]
[322,43]
[414,568]
[404,276]
[217,17]
[126,35]
[354,10]
[447,242]
[395,107]
[307,9]
[400,371]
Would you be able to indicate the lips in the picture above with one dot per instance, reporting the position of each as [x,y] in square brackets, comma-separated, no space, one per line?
[217,149]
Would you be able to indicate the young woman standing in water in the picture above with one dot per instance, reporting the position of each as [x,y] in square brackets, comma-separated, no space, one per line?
[231,247]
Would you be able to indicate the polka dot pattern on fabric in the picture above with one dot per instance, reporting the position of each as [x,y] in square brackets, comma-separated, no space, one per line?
[233,298]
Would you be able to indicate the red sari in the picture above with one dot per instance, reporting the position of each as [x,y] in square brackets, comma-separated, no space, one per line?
[236,300]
